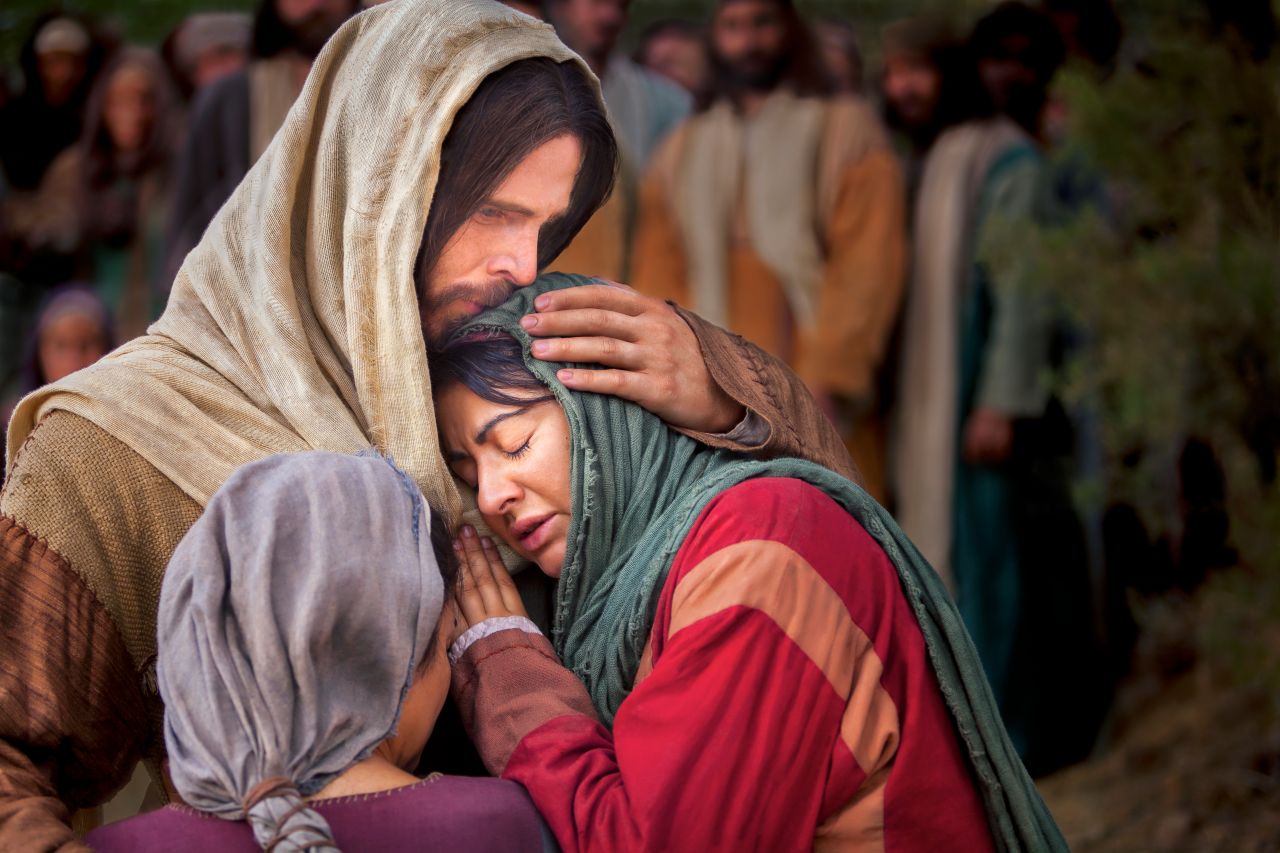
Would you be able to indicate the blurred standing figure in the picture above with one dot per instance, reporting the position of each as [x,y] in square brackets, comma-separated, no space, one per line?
[73,331]
[643,108]
[777,211]
[678,51]
[59,62]
[838,44]
[978,470]
[103,201]
[235,118]
[209,46]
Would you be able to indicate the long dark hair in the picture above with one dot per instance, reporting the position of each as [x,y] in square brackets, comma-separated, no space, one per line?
[102,166]
[515,110]
[111,208]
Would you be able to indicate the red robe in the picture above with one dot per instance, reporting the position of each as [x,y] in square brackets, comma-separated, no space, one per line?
[785,702]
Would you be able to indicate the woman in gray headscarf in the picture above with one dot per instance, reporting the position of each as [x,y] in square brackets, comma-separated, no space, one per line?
[302,659]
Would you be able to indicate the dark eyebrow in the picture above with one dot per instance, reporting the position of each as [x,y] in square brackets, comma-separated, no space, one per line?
[483,434]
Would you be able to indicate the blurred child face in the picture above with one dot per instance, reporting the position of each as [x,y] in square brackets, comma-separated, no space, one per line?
[422,703]
[517,460]
[129,111]
[69,343]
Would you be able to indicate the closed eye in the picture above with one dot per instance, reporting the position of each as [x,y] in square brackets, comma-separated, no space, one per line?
[518,452]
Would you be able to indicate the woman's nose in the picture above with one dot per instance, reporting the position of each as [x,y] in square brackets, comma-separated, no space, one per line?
[495,492]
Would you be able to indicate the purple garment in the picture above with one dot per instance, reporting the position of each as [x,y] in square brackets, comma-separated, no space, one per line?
[445,813]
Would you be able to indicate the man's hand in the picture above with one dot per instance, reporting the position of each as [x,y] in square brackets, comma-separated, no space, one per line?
[650,355]
[484,589]
[988,437]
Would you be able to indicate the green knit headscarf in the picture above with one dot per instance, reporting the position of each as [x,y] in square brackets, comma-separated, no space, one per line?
[637,489]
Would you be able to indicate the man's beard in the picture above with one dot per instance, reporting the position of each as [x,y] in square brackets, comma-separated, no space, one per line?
[913,116]
[488,294]
[312,32]
[753,72]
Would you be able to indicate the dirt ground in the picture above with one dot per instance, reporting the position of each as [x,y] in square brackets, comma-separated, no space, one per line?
[1190,760]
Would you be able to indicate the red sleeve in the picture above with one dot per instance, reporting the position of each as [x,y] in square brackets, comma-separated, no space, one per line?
[708,751]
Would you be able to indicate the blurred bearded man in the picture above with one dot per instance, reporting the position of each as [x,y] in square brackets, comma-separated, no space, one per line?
[643,108]
[441,153]
[234,119]
[777,210]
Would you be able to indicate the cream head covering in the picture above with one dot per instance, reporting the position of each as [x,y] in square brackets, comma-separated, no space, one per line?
[294,324]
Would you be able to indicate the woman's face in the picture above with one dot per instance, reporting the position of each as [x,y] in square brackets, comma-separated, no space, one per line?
[68,344]
[517,460]
[130,108]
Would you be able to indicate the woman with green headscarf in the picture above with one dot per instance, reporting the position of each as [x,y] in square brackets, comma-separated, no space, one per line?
[745,655]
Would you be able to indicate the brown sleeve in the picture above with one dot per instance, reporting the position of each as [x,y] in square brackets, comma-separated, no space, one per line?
[657,249]
[72,718]
[863,283]
[767,387]
[508,684]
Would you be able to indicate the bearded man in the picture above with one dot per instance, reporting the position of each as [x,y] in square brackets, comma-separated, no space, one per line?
[777,211]
[440,154]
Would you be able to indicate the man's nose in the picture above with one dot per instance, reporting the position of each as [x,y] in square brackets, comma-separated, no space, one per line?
[518,261]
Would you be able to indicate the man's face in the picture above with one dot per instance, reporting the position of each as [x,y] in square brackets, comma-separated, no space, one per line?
[60,74]
[592,27]
[749,37]
[496,250]
[911,87]
[1008,75]
[679,58]
[312,22]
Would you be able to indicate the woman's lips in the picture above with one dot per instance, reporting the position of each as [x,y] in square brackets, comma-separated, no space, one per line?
[535,532]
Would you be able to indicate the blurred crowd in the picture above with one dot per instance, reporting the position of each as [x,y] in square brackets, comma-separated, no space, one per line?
[859,221]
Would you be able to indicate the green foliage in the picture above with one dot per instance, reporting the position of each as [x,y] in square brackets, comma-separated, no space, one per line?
[1177,287]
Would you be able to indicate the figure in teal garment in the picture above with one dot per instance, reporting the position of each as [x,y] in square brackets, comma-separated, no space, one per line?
[1003,348]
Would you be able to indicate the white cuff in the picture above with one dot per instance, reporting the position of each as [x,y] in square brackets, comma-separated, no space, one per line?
[480,630]
[751,431]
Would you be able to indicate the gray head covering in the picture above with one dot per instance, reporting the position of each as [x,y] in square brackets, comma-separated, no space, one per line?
[293,617]
[211,31]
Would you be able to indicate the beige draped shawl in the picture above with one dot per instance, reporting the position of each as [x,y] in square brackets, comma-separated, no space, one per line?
[294,324]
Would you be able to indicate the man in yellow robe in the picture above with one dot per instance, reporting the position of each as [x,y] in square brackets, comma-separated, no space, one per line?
[778,212]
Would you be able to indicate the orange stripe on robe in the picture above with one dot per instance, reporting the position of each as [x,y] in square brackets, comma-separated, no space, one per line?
[786,703]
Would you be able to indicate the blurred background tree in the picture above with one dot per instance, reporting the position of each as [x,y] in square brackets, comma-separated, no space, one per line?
[1174,288]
